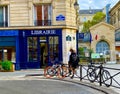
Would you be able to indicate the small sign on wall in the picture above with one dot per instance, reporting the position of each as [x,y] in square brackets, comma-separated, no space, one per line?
[80,35]
[68,38]
[95,55]
[60,18]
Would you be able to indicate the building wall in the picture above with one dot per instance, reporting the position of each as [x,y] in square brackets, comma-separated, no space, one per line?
[66,8]
[115,21]
[100,31]
[106,33]
[21,11]
[21,17]
[82,20]
[68,44]
[115,18]
[87,16]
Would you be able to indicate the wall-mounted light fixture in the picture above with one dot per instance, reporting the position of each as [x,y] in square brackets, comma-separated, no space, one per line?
[76,5]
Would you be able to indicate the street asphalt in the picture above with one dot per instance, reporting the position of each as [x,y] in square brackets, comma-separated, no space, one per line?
[37,74]
[44,86]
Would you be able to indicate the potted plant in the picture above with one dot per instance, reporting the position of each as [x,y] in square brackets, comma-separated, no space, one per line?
[7,66]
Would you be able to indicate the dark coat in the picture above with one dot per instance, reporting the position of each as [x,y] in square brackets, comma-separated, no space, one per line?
[74,63]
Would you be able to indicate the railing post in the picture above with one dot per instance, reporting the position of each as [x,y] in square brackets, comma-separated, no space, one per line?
[80,72]
[101,67]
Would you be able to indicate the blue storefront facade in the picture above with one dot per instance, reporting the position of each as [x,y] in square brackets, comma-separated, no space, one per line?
[31,48]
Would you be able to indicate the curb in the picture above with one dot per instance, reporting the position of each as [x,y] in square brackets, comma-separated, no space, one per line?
[93,86]
[103,89]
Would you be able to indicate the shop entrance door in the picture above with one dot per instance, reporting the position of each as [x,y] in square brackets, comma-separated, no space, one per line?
[49,50]
[43,52]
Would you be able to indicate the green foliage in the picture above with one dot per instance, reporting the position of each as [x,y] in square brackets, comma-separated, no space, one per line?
[86,26]
[98,17]
[101,59]
[7,65]
[90,50]
[81,51]
[0,63]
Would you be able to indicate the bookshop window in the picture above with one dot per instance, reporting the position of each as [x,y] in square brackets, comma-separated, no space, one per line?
[32,49]
[53,45]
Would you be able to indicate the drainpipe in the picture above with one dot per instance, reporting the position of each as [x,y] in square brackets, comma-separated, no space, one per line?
[107,13]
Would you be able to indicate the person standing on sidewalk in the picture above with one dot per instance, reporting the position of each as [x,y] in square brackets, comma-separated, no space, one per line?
[74,60]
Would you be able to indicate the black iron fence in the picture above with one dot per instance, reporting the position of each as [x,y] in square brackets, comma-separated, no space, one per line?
[100,74]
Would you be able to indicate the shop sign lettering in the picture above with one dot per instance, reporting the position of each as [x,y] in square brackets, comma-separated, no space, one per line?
[42,32]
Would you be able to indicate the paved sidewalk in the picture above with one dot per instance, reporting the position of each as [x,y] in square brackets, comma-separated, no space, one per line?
[20,75]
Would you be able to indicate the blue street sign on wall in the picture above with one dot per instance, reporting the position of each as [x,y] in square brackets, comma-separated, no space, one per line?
[60,18]
[80,35]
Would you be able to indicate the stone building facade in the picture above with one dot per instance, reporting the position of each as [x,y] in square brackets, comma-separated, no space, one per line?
[115,21]
[103,41]
[104,34]
[37,30]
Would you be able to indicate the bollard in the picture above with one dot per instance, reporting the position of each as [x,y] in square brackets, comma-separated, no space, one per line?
[80,72]
[101,67]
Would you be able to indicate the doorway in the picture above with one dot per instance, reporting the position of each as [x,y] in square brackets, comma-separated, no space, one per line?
[49,48]
[43,52]
[40,50]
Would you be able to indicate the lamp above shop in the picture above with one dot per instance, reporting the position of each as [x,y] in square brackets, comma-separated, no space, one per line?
[76,5]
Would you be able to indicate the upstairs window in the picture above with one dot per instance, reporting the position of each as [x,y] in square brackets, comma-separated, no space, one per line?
[119,14]
[3,16]
[42,15]
[114,18]
[117,36]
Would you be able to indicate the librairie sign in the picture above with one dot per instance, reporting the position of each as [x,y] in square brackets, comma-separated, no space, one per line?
[41,32]
[60,18]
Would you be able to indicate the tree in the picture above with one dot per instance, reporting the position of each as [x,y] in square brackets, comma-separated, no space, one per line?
[86,26]
[81,51]
[98,17]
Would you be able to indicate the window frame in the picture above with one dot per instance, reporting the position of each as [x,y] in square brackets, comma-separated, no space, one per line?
[5,13]
[100,48]
[119,14]
[49,14]
[33,47]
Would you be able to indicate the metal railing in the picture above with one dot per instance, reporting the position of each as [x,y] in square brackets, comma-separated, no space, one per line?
[101,74]
[42,23]
[114,75]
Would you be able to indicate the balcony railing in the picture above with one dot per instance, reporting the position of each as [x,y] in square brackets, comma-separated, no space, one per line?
[3,24]
[42,23]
